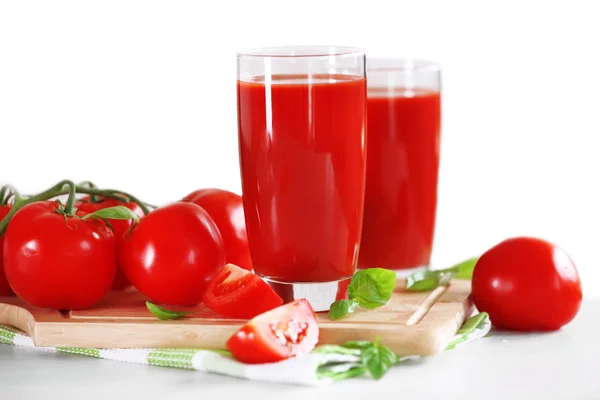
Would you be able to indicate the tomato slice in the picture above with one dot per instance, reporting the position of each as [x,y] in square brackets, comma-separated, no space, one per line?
[238,293]
[286,331]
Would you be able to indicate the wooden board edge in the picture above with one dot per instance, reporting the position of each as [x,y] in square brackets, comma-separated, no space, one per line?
[18,317]
[442,335]
[101,335]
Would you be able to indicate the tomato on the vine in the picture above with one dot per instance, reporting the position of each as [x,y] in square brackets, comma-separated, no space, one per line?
[5,289]
[286,331]
[120,227]
[54,260]
[227,210]
[525,283]
[173,254]
[238,293]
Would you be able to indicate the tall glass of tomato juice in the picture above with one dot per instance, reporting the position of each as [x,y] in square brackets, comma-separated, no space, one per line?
[301,132]
[403,149]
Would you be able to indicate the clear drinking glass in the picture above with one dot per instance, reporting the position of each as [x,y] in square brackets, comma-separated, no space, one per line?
[403,145]
[301,120]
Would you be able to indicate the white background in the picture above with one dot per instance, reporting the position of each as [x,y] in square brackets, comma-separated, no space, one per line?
[140,96]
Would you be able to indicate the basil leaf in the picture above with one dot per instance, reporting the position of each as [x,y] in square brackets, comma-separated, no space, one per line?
[116,212]
[464,270]
[341,308]
[472,323]
[332,372]
[428,280]
[372,287]
[378,359]
[445,277]
[335,349]
[162,313]
[467,328]
[358,344]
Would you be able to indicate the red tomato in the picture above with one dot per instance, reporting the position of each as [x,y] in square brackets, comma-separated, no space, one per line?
[58,262]
[226,209]
[527,284]
[173,254]
[120,227]
[5,289]
[238,293]
[286,331]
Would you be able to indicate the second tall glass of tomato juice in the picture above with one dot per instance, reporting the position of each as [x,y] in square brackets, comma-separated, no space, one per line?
[403,148]
[301,132]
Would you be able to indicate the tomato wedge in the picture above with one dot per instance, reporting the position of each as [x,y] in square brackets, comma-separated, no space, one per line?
[286,331]
[238,293]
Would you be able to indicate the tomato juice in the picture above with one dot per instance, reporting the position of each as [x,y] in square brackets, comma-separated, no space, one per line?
[403,143]
[303,160]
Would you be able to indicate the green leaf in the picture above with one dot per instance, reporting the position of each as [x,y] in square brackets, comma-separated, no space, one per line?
[464,270]
[164,314]
[378,359]
[116,212]
[341,308]
[333,373]
[335,349]
[467,328]
[375,358]
[358,344]
[445,277]
[472,323]
[428,279]
[372,287]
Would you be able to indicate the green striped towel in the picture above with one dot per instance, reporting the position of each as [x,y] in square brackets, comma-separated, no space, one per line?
[324,365]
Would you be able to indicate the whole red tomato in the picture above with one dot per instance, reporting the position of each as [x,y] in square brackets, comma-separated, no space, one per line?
[527,284]
[56,261]
[120,227]
[226,209]
[173,254]
[5,289]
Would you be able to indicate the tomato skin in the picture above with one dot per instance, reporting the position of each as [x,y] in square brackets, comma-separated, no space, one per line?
[55,262]
[120,227]
[227,210]
[246,348]
[5,289]
[238,293]
[256,342]
[173,254]
[527,284]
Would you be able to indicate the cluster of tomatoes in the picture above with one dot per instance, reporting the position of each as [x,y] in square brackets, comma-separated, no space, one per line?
[190,251]
[67,262]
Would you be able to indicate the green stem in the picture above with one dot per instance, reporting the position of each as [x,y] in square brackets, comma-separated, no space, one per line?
[96,192]
[45,195]
[3,191]
[94,198]
[59,190]
[137,201]
[91,185]
[71,199]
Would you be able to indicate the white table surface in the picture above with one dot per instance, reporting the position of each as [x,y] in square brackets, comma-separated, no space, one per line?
[558,365]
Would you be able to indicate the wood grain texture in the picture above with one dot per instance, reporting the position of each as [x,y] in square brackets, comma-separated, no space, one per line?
[411,323]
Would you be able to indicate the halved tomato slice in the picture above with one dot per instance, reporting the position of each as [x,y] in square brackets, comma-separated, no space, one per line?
[287,331]
[238,293]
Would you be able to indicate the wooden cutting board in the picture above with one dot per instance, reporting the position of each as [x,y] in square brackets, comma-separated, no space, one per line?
[411,323]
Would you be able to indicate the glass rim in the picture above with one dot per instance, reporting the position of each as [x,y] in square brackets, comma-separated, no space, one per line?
[301,52]
[399,64]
